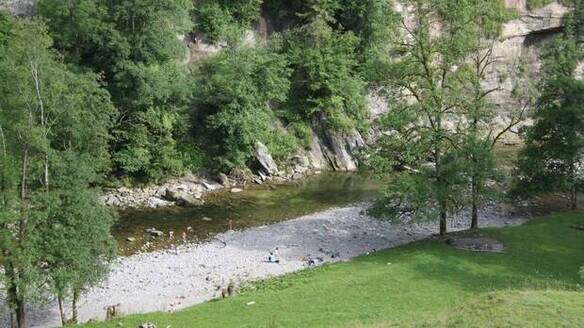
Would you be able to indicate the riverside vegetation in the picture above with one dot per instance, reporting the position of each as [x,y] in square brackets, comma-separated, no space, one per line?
[97,93]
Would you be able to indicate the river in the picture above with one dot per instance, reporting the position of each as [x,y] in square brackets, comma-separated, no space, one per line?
[255,206]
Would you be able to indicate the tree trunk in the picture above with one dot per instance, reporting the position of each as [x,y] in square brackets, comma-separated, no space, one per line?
[474,224]
[74,307]
[574,198]
[24,170]
[11,290]
[46,172]
[20,312]
[443,228]
[62,311]
[475,217]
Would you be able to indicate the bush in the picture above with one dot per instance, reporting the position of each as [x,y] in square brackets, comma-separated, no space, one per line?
[226,20]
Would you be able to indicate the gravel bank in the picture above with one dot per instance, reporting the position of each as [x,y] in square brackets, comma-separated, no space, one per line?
[174,279]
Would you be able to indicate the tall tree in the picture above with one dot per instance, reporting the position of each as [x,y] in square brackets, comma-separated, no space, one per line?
[433,52]
[233,99]
[478,116]
[45,111]
[553,156]
[326,87]
[77,244]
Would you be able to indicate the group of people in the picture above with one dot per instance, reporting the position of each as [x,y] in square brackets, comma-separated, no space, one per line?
[274,257]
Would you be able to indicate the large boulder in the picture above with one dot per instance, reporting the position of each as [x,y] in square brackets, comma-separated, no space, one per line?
[263,160]
[155,202]
[182,198]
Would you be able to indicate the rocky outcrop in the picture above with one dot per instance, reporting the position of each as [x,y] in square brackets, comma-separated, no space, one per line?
[520,45]
[184,191]
[337,149]
[18,7]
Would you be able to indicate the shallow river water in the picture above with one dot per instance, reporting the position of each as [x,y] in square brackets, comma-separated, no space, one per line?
[256,206]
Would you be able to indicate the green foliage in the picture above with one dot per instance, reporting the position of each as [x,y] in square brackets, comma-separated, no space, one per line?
[574,21]
[76,240]
[331,48]
[432,84]
[554,147]
[225,20]
[134,45]
[235,91]
[561,57]
[281,143]
[552,157]
[374,22]
[325,83]
[54,133]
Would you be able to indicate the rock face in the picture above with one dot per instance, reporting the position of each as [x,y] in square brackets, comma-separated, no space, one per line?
[18,7]
[521,43]
[335,150]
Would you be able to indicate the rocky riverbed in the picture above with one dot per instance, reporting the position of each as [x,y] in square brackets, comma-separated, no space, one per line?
[173,279]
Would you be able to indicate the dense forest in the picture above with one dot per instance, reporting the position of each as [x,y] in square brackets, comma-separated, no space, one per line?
[102,93]
[163,117]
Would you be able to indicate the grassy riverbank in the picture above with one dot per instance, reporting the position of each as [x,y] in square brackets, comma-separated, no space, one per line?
[425,283]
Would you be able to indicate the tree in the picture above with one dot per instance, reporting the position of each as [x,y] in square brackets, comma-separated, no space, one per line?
[478,117]
[326,87]
[45,111]
[553,157]
[235,92]
[77,244]
[134,45]
[225,20]
[425,137]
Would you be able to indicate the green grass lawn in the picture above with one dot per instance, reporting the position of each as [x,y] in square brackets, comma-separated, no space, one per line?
[535,283]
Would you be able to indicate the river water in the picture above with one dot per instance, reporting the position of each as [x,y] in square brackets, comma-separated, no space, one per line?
[256,206]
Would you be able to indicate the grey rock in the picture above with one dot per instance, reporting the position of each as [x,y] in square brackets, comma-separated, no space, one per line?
[224,180]
[154,232]
[155,202]
[264,160]
[112,200]
[181,198]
